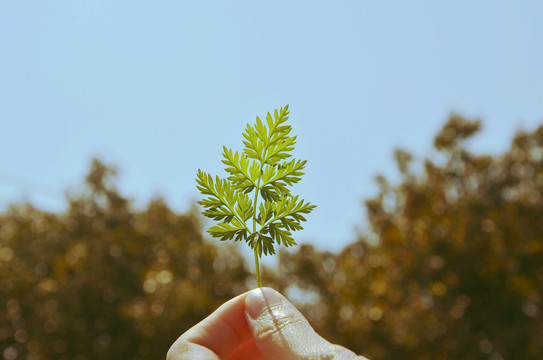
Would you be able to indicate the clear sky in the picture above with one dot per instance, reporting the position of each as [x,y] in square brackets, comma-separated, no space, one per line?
[158,87]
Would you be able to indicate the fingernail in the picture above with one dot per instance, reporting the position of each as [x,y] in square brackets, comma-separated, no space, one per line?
[258,300]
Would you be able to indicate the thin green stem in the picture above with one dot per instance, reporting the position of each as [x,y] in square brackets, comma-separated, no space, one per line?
[257,270]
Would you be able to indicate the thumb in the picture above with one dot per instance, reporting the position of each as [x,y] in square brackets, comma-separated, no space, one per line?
[281,332]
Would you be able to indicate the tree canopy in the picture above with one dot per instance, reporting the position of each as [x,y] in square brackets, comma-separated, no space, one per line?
[105,281]
[452,268]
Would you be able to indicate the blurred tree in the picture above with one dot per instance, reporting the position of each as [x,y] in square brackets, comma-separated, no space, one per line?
[105,281]
[454,269]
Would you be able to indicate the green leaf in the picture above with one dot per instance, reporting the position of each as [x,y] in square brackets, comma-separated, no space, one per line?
[259,177]
[225,231]
[289,173]
[238,167]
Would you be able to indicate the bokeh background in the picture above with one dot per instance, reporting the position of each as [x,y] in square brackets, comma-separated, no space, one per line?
[421,122]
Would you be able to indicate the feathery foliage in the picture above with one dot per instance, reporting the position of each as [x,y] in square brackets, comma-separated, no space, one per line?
[264,168]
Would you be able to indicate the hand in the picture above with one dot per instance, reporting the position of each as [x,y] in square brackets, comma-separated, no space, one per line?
[260,324]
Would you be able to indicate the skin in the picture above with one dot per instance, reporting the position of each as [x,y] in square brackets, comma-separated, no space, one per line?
[260,324]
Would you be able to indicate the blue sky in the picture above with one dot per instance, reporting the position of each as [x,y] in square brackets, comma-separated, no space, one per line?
[157,88]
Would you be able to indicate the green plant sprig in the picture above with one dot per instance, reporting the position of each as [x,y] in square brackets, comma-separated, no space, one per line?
[263,168]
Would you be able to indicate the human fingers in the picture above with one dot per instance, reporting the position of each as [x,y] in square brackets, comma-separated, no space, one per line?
[215,337]
[247,351]
[281,332]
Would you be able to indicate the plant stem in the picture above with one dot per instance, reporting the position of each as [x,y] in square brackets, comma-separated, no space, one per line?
[257,270]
